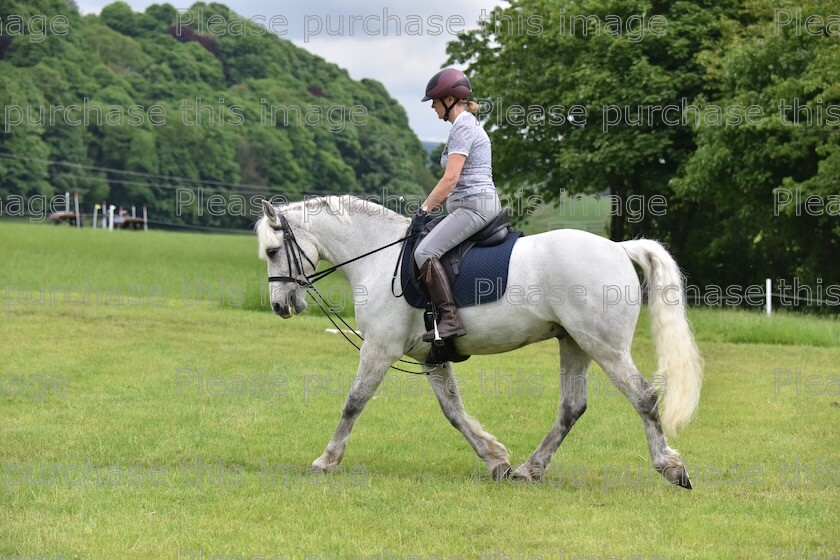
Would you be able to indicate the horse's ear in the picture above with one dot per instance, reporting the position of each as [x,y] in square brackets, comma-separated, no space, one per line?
[269,211]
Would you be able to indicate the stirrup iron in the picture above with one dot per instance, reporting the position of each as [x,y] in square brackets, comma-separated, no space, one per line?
[438,340]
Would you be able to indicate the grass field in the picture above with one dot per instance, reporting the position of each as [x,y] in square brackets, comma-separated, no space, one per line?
[588,213]
[153,408]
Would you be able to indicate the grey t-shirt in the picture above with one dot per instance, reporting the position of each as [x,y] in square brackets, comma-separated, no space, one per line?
[468,137]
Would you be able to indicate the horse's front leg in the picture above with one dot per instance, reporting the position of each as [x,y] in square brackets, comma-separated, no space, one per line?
[485,444]
[373,365]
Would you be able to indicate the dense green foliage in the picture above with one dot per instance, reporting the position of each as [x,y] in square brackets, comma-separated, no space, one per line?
[746,188]
[730,218]
[124,61]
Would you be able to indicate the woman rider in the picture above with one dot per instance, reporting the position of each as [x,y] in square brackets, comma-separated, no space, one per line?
[466,188]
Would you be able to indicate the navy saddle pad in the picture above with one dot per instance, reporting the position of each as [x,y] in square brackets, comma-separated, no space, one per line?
[482,274]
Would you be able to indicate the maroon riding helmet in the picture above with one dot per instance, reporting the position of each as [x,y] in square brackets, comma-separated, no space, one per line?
[449,81]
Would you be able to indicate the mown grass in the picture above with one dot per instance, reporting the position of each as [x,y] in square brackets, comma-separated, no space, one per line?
[182,431]
[753,327]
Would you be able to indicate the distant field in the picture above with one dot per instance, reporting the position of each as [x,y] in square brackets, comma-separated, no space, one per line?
[194,268]
[129,268]
[588,213]
[142,417]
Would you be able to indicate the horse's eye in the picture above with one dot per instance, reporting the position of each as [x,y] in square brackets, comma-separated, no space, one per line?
[271,252]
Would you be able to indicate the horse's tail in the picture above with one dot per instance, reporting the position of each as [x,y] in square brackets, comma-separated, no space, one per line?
[680,363]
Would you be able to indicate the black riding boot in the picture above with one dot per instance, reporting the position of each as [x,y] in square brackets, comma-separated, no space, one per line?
[437,283]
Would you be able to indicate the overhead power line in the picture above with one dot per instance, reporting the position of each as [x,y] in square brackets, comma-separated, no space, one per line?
[213,185]
[134,173]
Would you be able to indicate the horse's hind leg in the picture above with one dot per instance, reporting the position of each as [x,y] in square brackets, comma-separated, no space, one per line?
[574,364]
[373,365]
[622,371]
[486,445]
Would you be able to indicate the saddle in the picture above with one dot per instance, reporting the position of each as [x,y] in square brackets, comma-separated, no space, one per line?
[477,270]
[494,233]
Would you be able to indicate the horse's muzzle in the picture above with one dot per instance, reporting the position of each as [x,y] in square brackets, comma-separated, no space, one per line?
[287,309]
[284,311]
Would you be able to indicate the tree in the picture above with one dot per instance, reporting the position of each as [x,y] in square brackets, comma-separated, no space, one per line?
[752,180]
[567,94]
[21,176]
[736,189]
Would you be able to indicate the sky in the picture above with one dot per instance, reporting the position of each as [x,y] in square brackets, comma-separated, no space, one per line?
[400,54]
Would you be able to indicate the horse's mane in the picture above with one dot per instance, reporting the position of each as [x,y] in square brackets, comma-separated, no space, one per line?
[344,207]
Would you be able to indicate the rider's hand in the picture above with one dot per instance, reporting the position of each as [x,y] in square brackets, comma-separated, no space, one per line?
[418,220]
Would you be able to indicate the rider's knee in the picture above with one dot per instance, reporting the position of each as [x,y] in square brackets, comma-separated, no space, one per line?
[421,256]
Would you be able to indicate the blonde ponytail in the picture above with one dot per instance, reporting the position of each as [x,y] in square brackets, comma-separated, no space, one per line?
[471,106]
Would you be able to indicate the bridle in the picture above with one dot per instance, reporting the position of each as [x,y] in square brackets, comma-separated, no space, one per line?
[294,252]
[295,257]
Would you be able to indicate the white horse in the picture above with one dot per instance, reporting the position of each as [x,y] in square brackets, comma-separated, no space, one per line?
[571,285]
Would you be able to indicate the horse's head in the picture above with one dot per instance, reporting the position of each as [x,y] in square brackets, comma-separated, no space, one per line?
[292,256]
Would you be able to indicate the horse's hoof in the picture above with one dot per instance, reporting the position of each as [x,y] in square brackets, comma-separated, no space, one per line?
[521,477]
[501,471]
[316,470]
[678,476]
[526,474]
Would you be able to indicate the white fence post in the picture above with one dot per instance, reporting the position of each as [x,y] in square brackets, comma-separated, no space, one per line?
[76,205]
[768,297]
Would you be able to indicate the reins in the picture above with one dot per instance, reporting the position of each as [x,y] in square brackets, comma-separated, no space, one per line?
[293,256]
[294,261]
